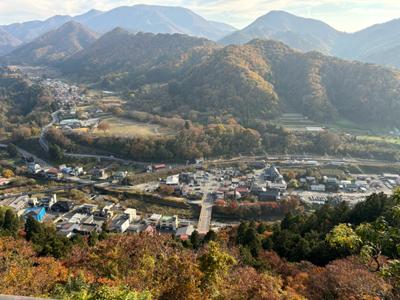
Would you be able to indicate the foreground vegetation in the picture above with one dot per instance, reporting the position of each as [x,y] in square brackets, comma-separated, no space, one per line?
[354,251]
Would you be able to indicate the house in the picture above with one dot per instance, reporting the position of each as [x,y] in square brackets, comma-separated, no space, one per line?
[131,213]
[184,233]
[48,201]
[278,186]
[120,175]
[169,222]
[79,218]
[154,219]
[159,167]
[19,204]
[77,171]
[272,195]
[4,181]
[317,187]
[37,212]
[172,180]
[54,174]
[138,228]
[100,174]
[272,174]
[33,167]
[243,191]
[120,223]
[87,229]
[62,206]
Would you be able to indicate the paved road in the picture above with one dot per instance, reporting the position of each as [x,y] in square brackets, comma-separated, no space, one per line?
[26,155]
[42,140]
[105,157]
[205,214]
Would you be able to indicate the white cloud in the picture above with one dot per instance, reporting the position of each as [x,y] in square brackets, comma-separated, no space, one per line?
[343,14]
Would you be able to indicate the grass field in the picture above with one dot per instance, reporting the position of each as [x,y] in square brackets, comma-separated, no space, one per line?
[380,139]
[128,128]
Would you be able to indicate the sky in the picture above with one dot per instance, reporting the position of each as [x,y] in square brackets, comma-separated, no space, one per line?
[345,15]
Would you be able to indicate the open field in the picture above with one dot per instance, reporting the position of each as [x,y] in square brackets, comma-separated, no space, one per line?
[380,139]
[298,122]
[127,128]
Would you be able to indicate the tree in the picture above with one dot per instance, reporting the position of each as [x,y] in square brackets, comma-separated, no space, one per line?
[8,173]
[215,264]
[56,152]
[32,228]
[195,239]
[11,222]
[261,228]
[103,126]
[343,236]
[93,238]
[21,133]
[210,236]
[12,150]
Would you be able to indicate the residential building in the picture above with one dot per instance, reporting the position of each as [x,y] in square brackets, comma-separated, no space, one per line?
[131,213]
[184,233]
[120,223]
[169,222]
[272,195]
[37,212]
[317,187]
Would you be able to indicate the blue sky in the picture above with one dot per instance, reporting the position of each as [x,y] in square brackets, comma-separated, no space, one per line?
[349,15]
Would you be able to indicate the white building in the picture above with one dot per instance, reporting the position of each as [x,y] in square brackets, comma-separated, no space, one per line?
[317,187]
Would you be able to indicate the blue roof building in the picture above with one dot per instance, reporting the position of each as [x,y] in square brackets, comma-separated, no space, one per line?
[37,213]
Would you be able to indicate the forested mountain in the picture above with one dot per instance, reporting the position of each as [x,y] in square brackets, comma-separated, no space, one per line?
[297,32]
[130,60]
[259,79]
[53,46]
[376,44]
[21,100]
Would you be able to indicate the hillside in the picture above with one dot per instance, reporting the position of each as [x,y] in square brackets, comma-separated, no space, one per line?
[377,44]
[259,79]
[53,46]
[7,42]
[22,102]
[130,60]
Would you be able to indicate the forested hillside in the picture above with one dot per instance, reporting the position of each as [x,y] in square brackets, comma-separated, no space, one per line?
[125,60]
[256,80]
[53,46]
[353,252]
[22,102]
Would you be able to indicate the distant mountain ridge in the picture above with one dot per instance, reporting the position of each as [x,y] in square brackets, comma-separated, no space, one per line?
[145,18]
[376,44]
[54,46]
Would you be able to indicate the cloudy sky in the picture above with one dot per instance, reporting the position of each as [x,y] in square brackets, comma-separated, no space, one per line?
[346,15]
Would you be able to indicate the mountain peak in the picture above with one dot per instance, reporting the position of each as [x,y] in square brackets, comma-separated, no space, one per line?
[55,45]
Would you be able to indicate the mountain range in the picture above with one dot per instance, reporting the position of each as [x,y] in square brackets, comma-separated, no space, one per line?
[376,44]
[53,46]
[259,79]
[379,44]
[144,18]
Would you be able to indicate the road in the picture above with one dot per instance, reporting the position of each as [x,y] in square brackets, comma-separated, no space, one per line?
[203,225]
[42,140]
[26,155]
[105,157]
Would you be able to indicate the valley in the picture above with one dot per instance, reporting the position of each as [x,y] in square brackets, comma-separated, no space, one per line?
[147,152]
